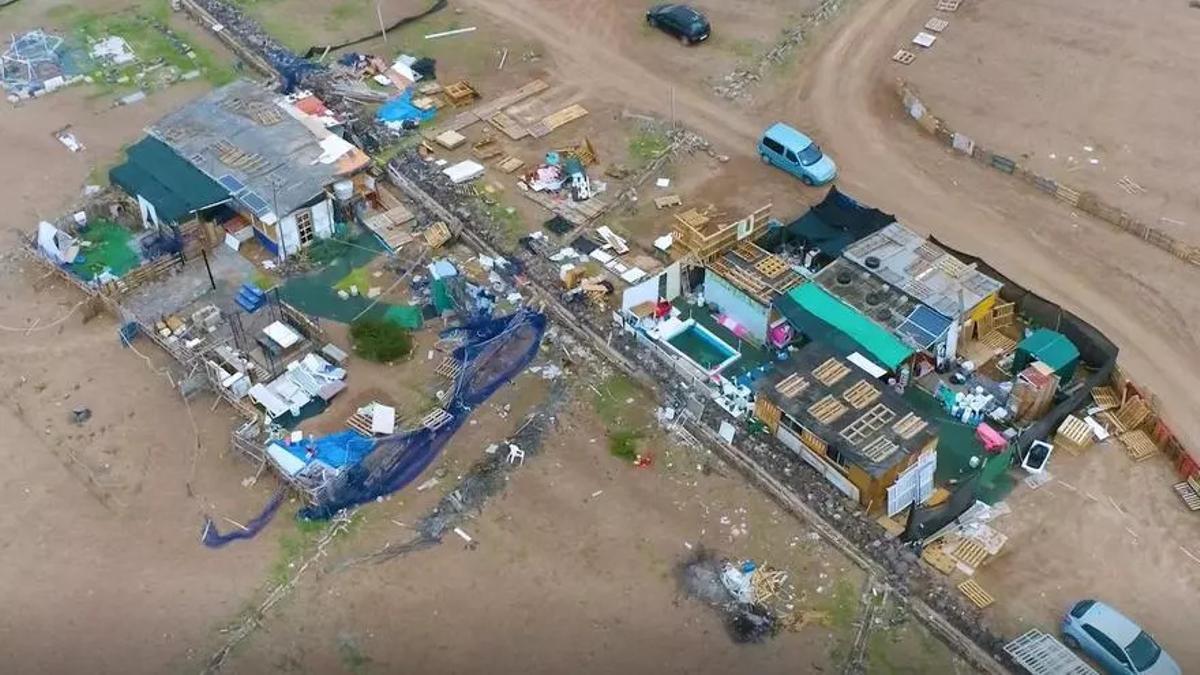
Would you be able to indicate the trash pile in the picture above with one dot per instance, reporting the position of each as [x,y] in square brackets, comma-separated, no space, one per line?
[562,172]
[752,598]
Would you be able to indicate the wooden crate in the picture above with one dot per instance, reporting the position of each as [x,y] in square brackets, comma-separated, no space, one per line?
[975,593]
[460,93]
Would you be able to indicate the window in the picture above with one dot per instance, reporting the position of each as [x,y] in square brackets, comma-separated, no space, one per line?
[1144,651]
[773,145]
[810,155]
[1106,642]
[791,157]
[304,226]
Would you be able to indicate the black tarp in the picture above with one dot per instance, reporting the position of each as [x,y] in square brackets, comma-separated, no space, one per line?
[837,222]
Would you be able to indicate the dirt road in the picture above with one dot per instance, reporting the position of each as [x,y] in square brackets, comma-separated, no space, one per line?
[1137,295]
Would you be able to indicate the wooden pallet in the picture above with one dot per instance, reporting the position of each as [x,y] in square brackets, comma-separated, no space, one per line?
[437,234]
[861,394]
[830,372]
[827,410]
[948,5]
[1132,413]
[1138,445]
[792,385]
[1073,435]
[449,368]
[667,202]
[557,119]
[879,449]
[870,422]
[361,424]
[970,552]
[772,266]
[893,528]
[904,57]
[460,93]
[508,126]
[435,419]
[910,425]
[975,593]
[1188,494]
[1004,315]
[1106,398]
[936,25]
[938,559]
[510,164]
[998,342]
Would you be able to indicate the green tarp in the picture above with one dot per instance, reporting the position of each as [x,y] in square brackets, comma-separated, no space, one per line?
[822,317]
[440,294]
[1051,348]
[405,316]
[175,188]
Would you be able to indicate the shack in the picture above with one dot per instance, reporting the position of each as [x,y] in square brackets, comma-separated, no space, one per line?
[276,161]
[855,430]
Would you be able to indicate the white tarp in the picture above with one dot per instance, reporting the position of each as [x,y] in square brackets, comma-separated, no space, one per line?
[56,244]
[463,171]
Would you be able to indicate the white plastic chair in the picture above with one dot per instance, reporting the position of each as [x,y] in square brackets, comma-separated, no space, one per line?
[515,455]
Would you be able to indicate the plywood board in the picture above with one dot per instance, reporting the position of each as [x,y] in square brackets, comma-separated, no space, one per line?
[557,119]
[510,164]
[508,126]
[938,559]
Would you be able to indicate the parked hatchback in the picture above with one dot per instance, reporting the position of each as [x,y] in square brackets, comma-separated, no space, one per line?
[797,154]
[1119,645]
[682,21]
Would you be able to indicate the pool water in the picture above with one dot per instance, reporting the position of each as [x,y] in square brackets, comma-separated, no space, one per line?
[702,347]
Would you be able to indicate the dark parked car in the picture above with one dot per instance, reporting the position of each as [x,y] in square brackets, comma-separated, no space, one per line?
[685,23]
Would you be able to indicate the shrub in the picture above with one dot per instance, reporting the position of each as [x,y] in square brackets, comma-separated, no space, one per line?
[624,444]
[377,340]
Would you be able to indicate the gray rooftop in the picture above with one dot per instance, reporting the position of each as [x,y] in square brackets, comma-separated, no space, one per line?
[922,269]
[239,137]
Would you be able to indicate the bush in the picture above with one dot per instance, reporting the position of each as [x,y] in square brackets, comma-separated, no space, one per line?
[377,340]
[624,444]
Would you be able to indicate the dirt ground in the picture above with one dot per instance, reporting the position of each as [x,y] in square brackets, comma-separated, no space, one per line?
[1103,528]
[1046,83]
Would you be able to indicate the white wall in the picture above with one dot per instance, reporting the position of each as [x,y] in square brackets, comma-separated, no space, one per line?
[322,220]
[735,303]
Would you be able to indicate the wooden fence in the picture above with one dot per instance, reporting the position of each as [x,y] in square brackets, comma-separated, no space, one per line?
[1084,200]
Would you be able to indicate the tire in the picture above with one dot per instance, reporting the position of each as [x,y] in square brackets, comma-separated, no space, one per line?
[1070,642]
[765,160]
[685,41]
[806,180]
[652,21]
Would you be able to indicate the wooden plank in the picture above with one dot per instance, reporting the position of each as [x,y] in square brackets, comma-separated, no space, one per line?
[830,372]
[890,526]
[827,410]
[975,593]
[861,394]
[510,164]
[557,119]
[508,126]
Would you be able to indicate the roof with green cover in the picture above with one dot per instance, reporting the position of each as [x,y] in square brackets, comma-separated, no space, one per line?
[822,317]
[175,187]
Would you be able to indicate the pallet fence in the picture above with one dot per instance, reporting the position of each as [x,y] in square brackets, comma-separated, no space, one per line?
[1084,200]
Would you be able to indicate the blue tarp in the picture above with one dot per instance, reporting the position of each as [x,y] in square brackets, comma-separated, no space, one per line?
[336,450]
[401,108]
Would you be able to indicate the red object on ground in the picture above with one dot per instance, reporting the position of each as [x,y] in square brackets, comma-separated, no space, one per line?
[643,461]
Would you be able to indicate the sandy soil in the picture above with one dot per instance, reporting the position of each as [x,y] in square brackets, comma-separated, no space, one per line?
[101,521]
[1043,83]
[1104,528]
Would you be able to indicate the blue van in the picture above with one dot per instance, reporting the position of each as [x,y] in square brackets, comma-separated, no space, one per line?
[795,153]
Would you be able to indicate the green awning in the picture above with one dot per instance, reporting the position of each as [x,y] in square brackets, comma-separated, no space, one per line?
[819,315]
[175,187]
[1051,348]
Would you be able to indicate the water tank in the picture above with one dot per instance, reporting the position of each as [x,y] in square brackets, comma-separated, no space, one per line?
[343,190]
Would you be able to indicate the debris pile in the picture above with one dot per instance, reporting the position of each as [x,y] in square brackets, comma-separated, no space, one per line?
[36,63]
[737,590]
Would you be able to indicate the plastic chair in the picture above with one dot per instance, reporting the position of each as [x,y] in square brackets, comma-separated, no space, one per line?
[515,455]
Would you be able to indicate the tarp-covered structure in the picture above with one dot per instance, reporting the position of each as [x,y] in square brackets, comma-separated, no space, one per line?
[1051,348]
[829,227]
[824,318]
[172,186]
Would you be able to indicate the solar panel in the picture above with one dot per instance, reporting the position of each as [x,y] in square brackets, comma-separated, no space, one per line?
[231,183]
[256,203]
[932,322]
